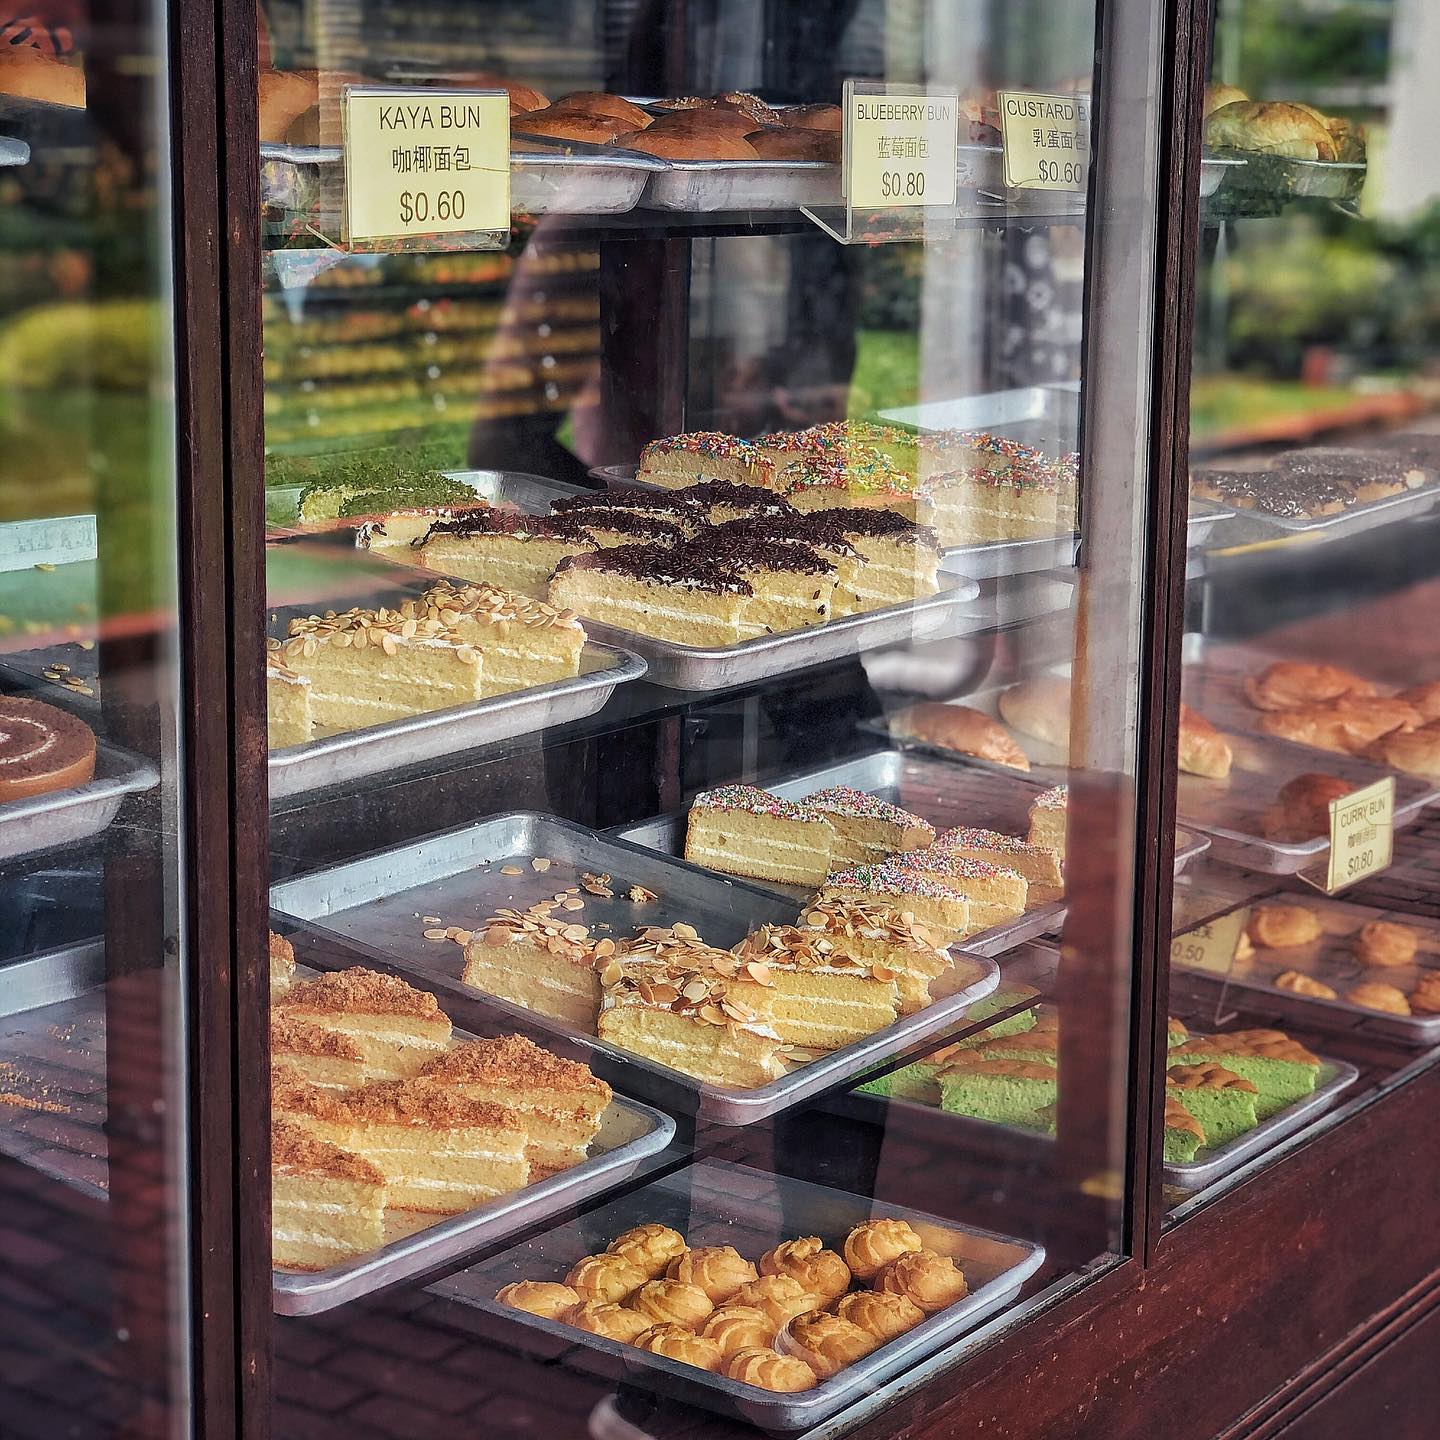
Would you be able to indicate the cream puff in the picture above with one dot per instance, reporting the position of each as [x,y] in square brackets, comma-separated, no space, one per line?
[672,1302]
[677,1342]
[539,1297]
[822,1272]
[610,1279]
[880,1314]
[650,1248]
[872,1246]
[929,1281]
[719,1270]
[770,1371]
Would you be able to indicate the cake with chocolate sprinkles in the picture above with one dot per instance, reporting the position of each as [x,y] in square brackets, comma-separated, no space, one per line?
[901,559]
[723,500]
[671,505]
[742,830]
[792,584]
[1367,474]
[502,547]
[608,526]
[1288,496]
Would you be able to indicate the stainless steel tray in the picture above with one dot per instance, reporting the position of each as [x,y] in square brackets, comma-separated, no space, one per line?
[716,1203]
[697,668]
[703,186]
[378,749]
[629,1133]
[65,817]
[1393,510]
[1331,959]
[374,905]
[1205,515]
[930,789]
[1334,1076]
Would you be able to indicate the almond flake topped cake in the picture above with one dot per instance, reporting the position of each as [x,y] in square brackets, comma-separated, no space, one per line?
[539,960]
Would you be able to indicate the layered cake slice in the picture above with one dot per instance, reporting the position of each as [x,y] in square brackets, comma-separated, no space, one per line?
[745,831]
[820,996]
[1282,1070]
[983,507]
[723,501]
[1007,1092]
[1042,1047]
[329,500]
[866,827]
[1184,1134]
[559,1101]
[539,960]
[791,585]
[327,1205]
[395,1027]
[439,1152]
[1047,819]
[402,530]
[667,594]
[996,893]
[1037,863]
[944,451]
[1221,1101]
[327,1058]
[902,559]
[684,1014]
[859,477]
[671,507]
[282,965]
[610,525]
[940,908]
[682,460]
[522,643]
[289,717]
[502,547]
[877,935]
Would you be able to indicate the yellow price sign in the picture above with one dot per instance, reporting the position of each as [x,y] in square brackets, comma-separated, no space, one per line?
[1211,946]
[1362,832]
[1046,140]
[900,149]
[424,162]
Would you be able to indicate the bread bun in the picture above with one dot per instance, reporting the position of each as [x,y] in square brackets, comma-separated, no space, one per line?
[1203,749]
[1272,127]
[24,71]
[1426,699]
[1425,997]
[1040,708]
[1218,95]
[538,1297]
[830,118]
[524,98]
[959,728]
[718,121]
[1416,752]
[599,102]
[1386,944]
[796,145]
[683,145]
[1282,927]
[575,125]
[870,1247]
[748,105]
[285,95]
[1302,808]
[1293,684]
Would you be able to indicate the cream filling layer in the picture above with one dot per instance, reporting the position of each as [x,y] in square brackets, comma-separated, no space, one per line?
[307,1237]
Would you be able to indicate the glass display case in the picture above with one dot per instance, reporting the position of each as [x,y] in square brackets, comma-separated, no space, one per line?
[758,718]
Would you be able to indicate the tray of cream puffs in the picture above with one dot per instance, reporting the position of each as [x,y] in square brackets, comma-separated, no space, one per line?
[1332,963]
[758,1296]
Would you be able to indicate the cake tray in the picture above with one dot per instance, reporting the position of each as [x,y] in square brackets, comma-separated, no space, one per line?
[930,789]
[1392,510]
[716,1203]
[375,907]
[629,1134]
[698,187]
[1334,1076]
[703,668]
[65,817]
[1332,960]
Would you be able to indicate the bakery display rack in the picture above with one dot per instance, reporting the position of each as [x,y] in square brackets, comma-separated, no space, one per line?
[717,1203]
[374,906]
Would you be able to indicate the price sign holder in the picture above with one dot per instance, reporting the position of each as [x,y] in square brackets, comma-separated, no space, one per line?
[1212,948]
[1046,140]
[1362,835]
[901,167]
[424,169]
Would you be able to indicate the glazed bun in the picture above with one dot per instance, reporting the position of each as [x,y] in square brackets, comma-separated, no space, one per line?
[706,122]
[796,145]
[739,1327]
[599,102]
[880,1314]
[719,1270]
[779,1297]
[607,1278]
[672,1302]
[649,1248]
[827,1343]
[684,145]
[769,1371]
[676,1342]
[822,1272]
[929,1281]
[870,1247]
[814,117]
[539,1297]
[557,124]
[614,1322]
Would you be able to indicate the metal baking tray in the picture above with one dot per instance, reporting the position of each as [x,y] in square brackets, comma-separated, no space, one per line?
[1334,1076]
[1277,178]
[374,905]
[716,1203]
[629,1133]
[703,186]
[697,668]
[929,789]
[1230,810]
[1332,960]
[65,817]
[1205,515]
[1393,510]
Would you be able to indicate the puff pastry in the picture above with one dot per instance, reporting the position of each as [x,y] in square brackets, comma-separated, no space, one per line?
[1386,945]
[1283,927]
[672,1302]
[719,1270]
[650,1248]
[820,1271]
[1347,726]
[1292,684]
[608,1278]
[1273,127]
[872,1246]
[739,1327]
[929,1281]
[614,1322]
[880,1313]
[676,1342]
[1375,996]
[1203,749]
[959,728]
[1041,708]
[539,1297]
[1304,985]
[770,1371]
[827,1343]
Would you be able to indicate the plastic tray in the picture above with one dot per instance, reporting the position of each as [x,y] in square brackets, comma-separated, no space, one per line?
[930,789]
[1332,959]
[629,1133]
[65,817]
[714,1203]
[374,905]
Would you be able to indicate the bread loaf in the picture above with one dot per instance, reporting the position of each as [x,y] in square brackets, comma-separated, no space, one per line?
[1040,707]
[959,728]
[1272,127]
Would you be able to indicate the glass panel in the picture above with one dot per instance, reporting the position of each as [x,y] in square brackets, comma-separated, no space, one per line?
[866,579]
[94,1272]
[1311,421]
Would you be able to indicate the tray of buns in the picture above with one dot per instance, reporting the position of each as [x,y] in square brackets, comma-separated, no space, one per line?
[961,1274]
[942,796]
[571,899]
[1331,964]
[622,1137]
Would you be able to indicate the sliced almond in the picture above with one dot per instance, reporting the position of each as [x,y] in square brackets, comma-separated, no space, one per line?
[437,934]
[511,870]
